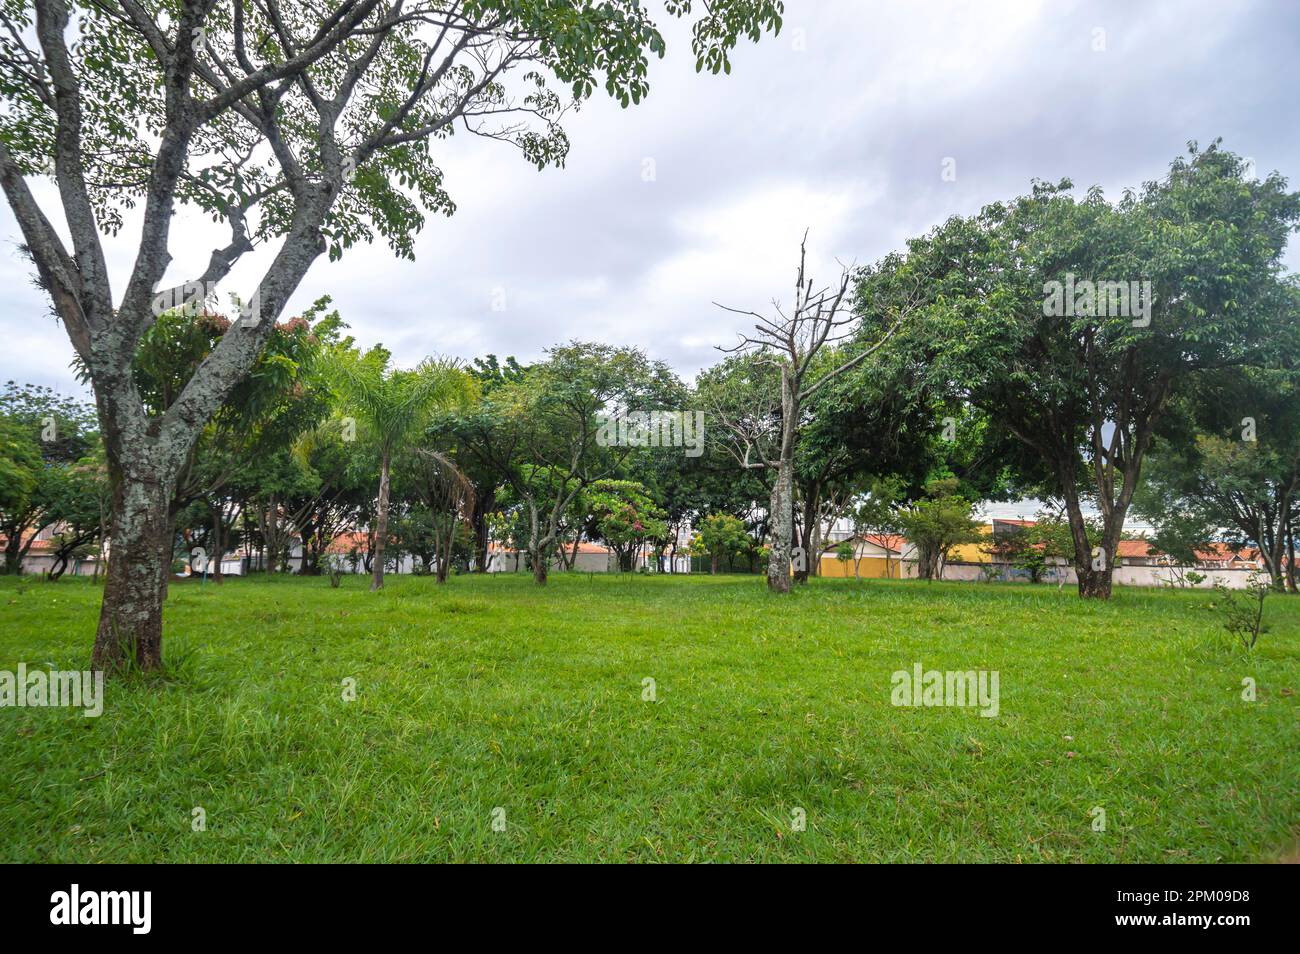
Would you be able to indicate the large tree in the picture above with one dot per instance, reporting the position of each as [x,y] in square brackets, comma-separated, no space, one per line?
[303,126]
[1073,321]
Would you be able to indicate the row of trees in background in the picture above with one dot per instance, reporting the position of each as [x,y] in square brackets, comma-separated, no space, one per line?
[330,443]
[308,130]
[1177,285]
[895,401]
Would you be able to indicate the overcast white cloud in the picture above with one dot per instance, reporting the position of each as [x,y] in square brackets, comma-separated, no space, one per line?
[840,125]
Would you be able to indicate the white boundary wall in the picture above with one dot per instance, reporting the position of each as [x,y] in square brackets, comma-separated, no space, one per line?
[1123,576]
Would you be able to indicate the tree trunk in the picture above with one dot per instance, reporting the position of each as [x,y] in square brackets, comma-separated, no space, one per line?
[781,514]
[780,526]
[1094,583]
[130,616]
[541,566]
[808,536]
[275,538]
[442,557]
[927,560]
[1095,570]
[1290,557]
[101,562]
[483,503]
[14,553]
[381,524]
[218,545]
[11,567]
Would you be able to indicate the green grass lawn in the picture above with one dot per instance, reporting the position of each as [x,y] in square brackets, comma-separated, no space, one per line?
[490,693]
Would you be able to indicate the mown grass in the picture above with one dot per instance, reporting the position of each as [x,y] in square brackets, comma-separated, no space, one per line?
[489,692]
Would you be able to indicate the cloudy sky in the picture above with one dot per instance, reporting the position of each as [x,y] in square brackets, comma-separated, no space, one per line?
[843,124]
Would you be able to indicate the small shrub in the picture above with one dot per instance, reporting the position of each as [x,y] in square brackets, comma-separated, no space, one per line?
[332,565]
[1244,617]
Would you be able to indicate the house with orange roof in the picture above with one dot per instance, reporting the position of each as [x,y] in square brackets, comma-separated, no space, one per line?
[40,554]
[586,558]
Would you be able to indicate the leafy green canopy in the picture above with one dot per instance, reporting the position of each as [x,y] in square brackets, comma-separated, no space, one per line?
[392,405]
[623,514]
[283,94]
[720,535]
[1085,388]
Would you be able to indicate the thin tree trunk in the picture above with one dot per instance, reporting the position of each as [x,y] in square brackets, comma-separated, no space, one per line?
[218,544]
[381,523]
[808,536]
[442,559]
[1290,557]
[101,563]
[483,503]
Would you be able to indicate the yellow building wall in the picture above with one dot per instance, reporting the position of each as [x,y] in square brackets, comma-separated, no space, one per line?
[869,568]
[973,552]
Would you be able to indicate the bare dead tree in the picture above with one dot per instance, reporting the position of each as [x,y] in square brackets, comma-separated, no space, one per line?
[795,345]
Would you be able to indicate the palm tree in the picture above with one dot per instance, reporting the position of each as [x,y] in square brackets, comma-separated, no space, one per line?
[392,405]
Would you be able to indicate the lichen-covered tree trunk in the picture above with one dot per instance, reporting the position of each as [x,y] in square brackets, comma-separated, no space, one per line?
[780,525]
[130,617]
[781,511]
